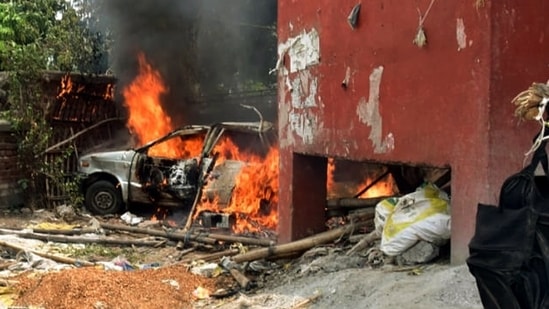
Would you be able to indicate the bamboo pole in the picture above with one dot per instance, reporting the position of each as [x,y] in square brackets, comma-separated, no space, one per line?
[263,242]
[214,256]
[297,246]
[364,242]
[60,259]
[65,232]
[208,238]
[75,239]
[353,202]
[86,240]
[70,139]
[171,235]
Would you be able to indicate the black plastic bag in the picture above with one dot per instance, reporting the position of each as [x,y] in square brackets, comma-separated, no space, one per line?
[509,252]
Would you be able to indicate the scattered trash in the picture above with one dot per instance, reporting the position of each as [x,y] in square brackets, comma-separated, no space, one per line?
[201,293]
[65,212]
[7,295]
[208,270]
[94,224]
[131,219]
[53,226]
[172,282]
[121,262]
[150,265]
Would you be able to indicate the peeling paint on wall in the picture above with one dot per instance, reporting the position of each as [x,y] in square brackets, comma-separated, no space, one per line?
[304,90]
[303,51]
[304,123]
[304,118]
[460,34]
[368,113]
[300,113]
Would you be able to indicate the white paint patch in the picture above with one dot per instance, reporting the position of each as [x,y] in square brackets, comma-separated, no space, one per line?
[304,90]
[368,113]
[460,34]
[304,124]
[303,51]
[303,119]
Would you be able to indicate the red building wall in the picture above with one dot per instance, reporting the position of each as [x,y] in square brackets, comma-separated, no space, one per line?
[446,104]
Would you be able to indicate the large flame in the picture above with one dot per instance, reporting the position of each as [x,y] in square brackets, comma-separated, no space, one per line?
[255,197]
[147,118]
[383,187]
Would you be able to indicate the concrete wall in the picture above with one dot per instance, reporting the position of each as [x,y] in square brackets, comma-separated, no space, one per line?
[446,104]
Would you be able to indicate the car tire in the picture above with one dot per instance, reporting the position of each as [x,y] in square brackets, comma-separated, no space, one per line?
[102,198]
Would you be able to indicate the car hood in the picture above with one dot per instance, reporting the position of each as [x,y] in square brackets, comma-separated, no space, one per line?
[119,155]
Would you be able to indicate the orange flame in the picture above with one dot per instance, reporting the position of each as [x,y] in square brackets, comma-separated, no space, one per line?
[384,187]
[109,92]
[255,197]
[147,118]
[66,86]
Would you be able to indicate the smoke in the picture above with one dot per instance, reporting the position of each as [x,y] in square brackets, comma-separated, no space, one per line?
[200,47]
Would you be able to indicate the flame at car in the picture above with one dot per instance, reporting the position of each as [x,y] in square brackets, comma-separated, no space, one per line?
[255,197]
[147,119]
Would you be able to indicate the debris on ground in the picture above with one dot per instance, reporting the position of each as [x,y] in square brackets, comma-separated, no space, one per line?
[106,262]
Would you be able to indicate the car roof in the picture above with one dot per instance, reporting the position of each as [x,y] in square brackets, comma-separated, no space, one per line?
[246,127]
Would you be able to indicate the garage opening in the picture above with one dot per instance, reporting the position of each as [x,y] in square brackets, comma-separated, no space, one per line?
[399,201]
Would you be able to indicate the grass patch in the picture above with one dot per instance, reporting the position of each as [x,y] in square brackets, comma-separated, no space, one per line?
[99,252]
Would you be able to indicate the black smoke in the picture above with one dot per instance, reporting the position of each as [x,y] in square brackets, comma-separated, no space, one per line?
[204,50]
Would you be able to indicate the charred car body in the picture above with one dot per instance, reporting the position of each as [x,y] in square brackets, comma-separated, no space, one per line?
[115,179]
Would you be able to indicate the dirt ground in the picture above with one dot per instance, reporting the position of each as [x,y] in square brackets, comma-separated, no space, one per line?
[321,278]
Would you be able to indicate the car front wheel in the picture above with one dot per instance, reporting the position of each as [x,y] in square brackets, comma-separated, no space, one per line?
[103,198]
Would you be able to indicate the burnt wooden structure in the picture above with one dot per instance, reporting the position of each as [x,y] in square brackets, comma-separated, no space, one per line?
[77,102]
[10,191]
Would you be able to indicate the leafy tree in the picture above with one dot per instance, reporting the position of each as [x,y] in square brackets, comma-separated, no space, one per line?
[38,35]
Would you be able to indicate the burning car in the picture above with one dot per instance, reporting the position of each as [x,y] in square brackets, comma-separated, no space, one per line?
[187,165]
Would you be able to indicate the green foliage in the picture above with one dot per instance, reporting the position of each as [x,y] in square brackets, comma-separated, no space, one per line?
[37,36]
[57,35]
[102,252]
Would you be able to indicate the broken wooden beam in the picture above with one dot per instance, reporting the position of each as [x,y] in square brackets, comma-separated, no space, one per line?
[74,136]
[185,237]
[203,237]
[242,280]
[364,243]
[364,214]
[214,256]
[89,240]
[263,242]
[185,252]
[350,203]
[65,232]
[297,246]
[80,239]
